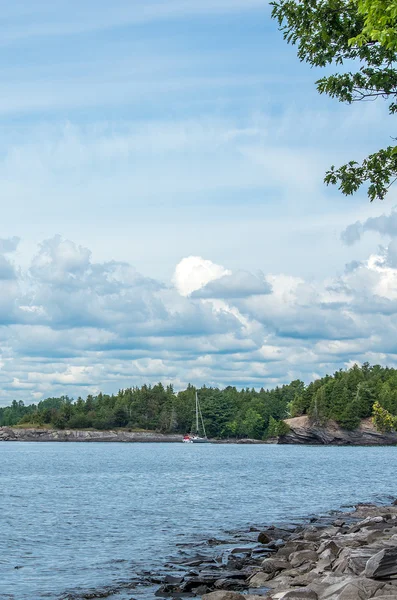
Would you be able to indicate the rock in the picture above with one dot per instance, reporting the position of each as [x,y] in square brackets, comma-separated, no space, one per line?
[382,564]
[263,538]
[260,579]
[291,547]
[298,558]
[230,584]
[359,558]
[338,523]
[173,579]
[361,589]
[304,431]
[346,587]
[223,595]
[298,594]
[241,550]
[270,565]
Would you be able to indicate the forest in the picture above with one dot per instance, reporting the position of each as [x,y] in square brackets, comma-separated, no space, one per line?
[346,397]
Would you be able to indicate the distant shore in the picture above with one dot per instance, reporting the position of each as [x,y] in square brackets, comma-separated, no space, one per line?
[19,434]
[301,430]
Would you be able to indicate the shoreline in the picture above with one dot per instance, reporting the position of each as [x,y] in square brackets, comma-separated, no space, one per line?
[301,430]
[341,555]
[16,434]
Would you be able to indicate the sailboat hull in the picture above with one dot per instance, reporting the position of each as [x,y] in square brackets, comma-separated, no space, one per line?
[200,441]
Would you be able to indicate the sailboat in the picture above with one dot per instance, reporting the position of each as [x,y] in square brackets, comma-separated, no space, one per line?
[195,437]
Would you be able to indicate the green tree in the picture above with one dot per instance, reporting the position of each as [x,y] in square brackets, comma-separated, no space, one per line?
[380,23]
[253,424]
[382,419]
[349,33]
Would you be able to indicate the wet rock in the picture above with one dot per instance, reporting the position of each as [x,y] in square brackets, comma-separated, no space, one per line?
[263,538]
[173,579]
[230,584]
[241,550]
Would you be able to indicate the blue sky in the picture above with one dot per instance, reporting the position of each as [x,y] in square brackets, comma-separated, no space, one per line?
[163,211]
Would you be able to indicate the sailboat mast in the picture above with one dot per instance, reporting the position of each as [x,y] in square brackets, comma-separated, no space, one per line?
[202,421]
[197,414]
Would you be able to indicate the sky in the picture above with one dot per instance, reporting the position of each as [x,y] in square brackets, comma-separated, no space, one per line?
[163,211]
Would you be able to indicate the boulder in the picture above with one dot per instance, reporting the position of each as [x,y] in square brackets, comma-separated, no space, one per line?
[297,594]
[383,564]
[260,579]
[295,546]
[263,538]
[270,565]
[298,558]
[230,584]
[328,545]
[223,595]
[347,587]
[361,589]
[359,558]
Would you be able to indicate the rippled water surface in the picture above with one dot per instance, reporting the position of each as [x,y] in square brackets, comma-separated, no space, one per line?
[76,516]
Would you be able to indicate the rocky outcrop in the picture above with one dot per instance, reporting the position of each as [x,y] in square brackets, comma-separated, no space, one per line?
[14,434]
[304,431]
[352,557]
[354,561]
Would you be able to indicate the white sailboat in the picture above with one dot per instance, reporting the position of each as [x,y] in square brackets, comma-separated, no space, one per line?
[195,437]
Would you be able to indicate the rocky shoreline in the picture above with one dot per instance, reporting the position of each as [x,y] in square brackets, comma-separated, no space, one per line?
[16,434]
[345,556]
[301,431]
[304,431]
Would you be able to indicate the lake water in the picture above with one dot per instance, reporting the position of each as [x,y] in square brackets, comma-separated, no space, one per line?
[83,515]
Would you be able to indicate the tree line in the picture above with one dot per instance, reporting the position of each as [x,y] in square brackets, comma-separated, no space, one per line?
[346,397]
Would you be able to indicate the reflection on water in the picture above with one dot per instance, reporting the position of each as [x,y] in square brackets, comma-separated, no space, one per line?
[87,515]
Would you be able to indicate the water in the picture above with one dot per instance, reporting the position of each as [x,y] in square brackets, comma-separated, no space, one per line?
[78,516]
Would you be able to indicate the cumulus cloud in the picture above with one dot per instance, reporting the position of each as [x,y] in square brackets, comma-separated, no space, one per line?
[194,272]
[383,224]
[234,285]
[71,324]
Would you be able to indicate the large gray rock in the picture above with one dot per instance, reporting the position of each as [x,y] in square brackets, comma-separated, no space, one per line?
[347,587]
[260,579]
[383,564]
[303,556]
[304,431]
[297,594]
[223,595]
[361,589]
[270,565]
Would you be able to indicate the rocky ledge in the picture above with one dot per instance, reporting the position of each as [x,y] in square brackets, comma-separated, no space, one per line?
[14,434]
[351,557]
[304,431]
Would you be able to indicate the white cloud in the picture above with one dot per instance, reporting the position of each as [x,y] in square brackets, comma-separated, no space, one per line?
[194,273]
[77,326]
